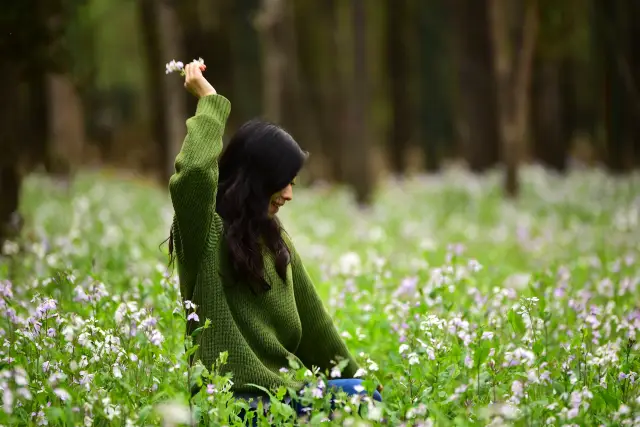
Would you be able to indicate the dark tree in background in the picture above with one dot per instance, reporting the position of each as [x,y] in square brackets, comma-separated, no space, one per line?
[615,30]
[553,97]
[399,58]
[358,155]
[40,108]
[163,39]
[513,68]
[476,95]
[435,111]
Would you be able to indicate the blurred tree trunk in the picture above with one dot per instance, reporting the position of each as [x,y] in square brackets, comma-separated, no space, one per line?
[399,62]
[298,110]
[11,140]
[476,101]
[10,219]
[358,150]
[245,49]
[162,40]
[38,147]
[206,32]
[326,65]
[554,106]
[634,71]
[28,48]
[336,104]
[628,72]
[615,26]
[65,139]
[435,109]
[320,85]
[270,24]
[284,93]
[513,71]
[550,131]
[611,90]
[569,108]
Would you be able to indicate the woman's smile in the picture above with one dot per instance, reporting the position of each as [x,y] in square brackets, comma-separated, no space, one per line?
[275,206]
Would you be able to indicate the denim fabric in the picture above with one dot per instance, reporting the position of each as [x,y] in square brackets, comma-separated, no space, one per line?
[348,385]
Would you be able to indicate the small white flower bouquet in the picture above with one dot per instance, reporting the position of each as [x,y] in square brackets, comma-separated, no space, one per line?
[174,66]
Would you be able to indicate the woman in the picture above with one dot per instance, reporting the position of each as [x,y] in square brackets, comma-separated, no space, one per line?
[235,262]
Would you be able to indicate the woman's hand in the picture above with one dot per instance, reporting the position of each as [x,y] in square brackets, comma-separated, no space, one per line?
[195,82]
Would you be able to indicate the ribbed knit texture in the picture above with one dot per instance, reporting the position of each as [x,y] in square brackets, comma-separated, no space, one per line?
[259,332]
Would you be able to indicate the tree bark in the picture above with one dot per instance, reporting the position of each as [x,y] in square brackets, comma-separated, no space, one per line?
[175,114]
[336,102]
[205,32]
[616,53]
[37,149]
[398,58]
[606,18]
[162,39]
[477,120]
[245,50]
[269,24]
[10,143]
[66,126]
[550,135]
[634,70]
[435,109]
[321,83]
[298,107]
[358,152]
[513,73]
[29,48]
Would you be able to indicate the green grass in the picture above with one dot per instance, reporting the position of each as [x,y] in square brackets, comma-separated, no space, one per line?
[471,310]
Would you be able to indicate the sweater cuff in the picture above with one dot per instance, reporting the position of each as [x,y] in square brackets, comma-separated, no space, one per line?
[214,105]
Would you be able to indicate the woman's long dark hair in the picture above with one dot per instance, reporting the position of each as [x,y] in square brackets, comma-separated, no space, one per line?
[260,159]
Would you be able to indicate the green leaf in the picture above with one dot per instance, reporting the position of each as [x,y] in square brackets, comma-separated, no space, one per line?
[281,393]
[516,322]
[197,372]
[598,403]
[610,399]
[159,397]
[482,352]
[191,350]
[293,364]
[196,332]
[538,347]
[317,418]
[542,305]
[145,412]
[54,414]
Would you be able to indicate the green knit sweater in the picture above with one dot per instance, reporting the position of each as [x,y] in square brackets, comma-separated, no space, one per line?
[259,332]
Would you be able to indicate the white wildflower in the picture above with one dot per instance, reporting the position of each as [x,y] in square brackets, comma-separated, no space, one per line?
[62,394]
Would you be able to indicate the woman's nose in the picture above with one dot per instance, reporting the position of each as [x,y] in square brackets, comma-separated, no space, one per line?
[287,193]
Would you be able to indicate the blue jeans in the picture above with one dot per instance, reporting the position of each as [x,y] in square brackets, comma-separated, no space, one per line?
[348,385]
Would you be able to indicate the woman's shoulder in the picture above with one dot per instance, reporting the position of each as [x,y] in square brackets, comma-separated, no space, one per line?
[294,256]
[288,241]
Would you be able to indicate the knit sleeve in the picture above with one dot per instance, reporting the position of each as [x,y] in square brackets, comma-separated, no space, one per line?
[194,184]
[320,344]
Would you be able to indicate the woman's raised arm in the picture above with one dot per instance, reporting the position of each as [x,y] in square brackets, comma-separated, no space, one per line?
[194,184]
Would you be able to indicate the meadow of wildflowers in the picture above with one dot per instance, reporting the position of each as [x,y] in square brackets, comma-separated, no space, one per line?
[469,309]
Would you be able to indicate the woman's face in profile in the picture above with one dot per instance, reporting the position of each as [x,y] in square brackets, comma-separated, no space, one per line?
[280,198]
